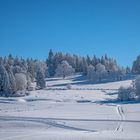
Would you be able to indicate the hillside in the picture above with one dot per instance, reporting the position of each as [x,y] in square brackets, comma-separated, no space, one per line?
[86,111]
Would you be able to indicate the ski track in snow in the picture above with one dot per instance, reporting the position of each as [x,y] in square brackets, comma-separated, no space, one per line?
[122,118]
[47,121]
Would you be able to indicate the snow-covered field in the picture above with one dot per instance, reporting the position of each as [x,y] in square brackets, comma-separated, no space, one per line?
[86,112]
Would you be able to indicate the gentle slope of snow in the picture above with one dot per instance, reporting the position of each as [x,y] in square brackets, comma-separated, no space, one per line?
[86,112]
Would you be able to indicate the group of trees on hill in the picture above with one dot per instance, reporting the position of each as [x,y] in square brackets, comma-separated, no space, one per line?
[96,69]
[17,74]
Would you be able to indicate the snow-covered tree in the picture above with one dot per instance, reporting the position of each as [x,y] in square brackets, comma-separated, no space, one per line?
[31,69]
[40,65]
[69,86]
[40,79]
[128,70]
[120,73]
[136,66]
[136,85]
[100,71]
[126,94]
[84,66]
[4,82]
[64,69]
[16,69]
[131,92]
[50,62]
[21,81]
[12,81]
[88,59]
[10,60]
[91,73]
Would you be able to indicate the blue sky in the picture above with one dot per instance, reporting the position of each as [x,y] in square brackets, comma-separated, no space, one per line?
[29,28]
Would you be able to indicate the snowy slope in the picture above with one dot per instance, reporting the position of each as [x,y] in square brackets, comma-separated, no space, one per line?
[86,111]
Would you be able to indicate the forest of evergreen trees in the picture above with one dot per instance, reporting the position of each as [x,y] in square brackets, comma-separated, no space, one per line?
[17,74]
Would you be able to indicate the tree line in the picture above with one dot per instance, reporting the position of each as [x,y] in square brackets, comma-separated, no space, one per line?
[17,74]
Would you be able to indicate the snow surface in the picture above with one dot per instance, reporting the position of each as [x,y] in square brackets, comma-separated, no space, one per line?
[86,112]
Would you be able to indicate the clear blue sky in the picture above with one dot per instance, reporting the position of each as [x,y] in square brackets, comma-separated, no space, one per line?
[30,28]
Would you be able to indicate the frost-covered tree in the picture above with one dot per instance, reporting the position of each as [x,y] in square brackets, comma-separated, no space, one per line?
[41,71]
[12,81]
[128,70]
[10,60]
[136,85]
[84,66]
[16,69]
[31,69]
[40,79]
[64,69]
[126,94]
[121,73]
[131,92]
[91,73]
[136,66]
[100,71]
[40,65]
[21,81]
[88,59]
[4,82]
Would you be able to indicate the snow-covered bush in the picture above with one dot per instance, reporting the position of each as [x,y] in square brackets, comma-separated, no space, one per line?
[64,69]
[69,86]
[21,81]
[126,94]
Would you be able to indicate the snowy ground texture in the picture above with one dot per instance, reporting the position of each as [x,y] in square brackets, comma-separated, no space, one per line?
[85,112]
